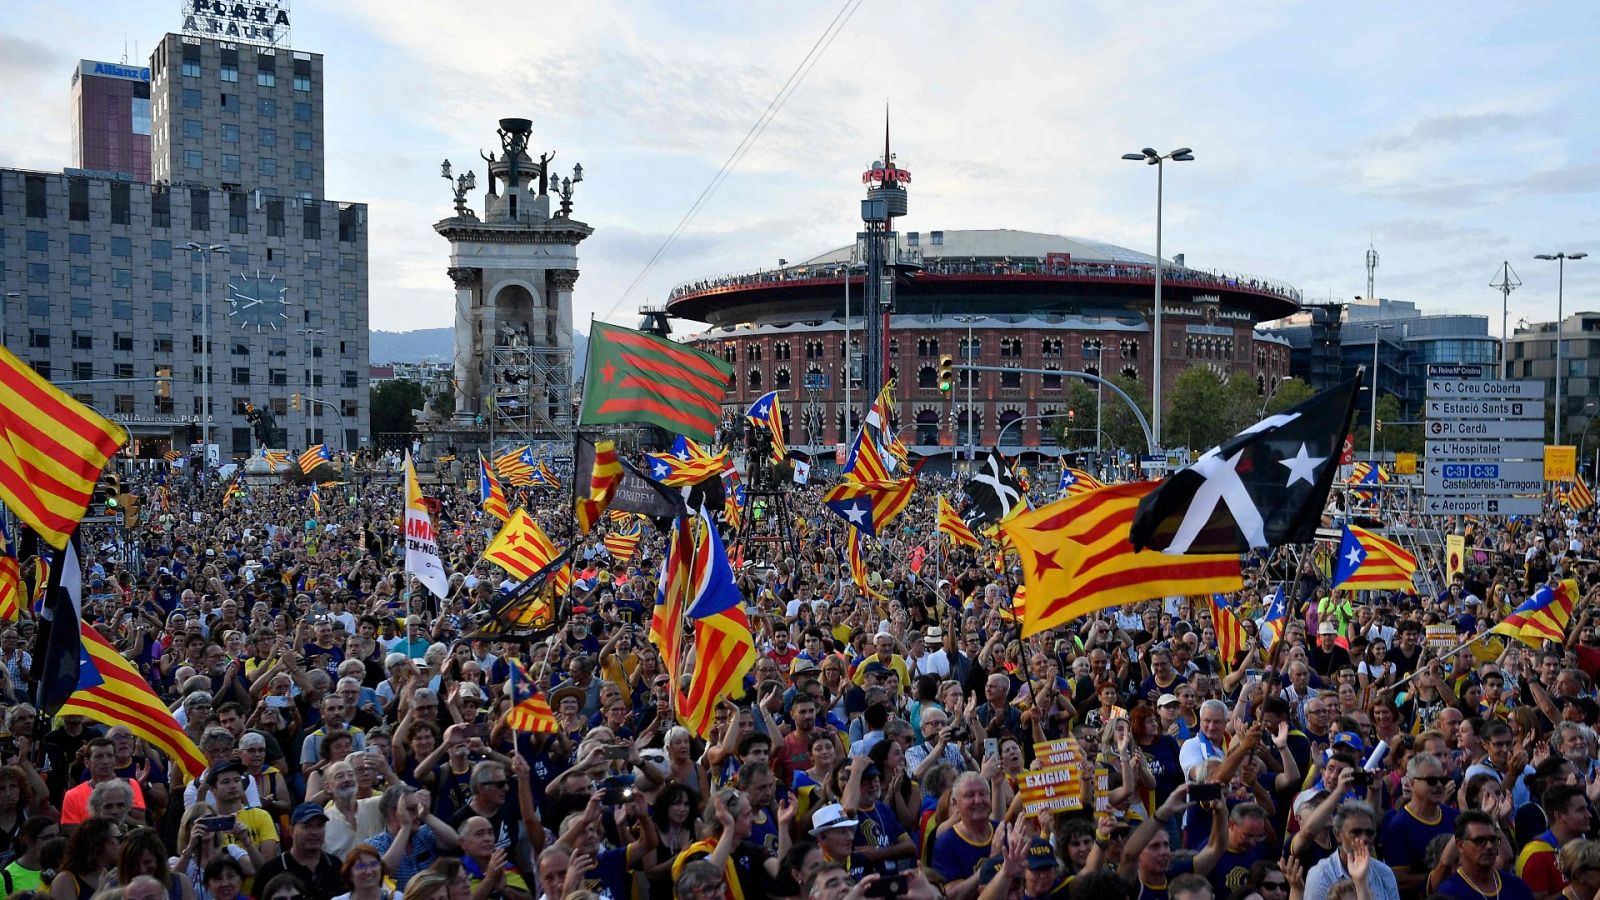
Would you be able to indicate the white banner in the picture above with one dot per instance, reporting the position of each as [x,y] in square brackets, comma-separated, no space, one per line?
[422,545]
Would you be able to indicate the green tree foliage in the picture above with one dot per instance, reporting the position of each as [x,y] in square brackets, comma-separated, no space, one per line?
[393,412]
[1121,428]
[1077,429]
[1200,410]
[1290,391]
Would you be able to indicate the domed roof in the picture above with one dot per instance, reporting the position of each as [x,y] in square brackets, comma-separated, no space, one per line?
[995,243]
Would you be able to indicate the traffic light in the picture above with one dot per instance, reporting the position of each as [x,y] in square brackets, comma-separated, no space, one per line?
[113,493]
[294,401]
[164,382]
[1380,426]
[947,375]
[130,511]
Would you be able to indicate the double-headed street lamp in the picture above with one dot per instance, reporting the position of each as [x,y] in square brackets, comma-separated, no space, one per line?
[204,251]
[1561,280]
[1151,157]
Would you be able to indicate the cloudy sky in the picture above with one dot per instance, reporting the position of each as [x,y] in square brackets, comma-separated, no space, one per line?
[1451,136]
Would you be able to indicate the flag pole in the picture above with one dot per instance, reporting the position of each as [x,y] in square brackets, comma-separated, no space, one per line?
[1451,652]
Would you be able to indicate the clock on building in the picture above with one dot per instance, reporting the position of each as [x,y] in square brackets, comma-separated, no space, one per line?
[258,301]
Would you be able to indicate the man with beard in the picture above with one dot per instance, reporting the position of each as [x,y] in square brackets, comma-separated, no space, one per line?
[350,821]
[306,859]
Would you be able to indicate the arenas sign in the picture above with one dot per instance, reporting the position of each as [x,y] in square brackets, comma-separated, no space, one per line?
[252,21]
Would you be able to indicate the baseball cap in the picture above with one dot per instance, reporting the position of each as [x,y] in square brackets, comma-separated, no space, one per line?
[830,817]
[305,812]
[1041,855]
[1166,699]
[876,668]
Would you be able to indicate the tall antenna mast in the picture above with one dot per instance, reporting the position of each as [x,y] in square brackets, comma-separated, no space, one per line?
[1372,270]
[1508,282]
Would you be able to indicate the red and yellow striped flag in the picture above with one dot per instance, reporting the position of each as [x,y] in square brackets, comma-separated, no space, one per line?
[951,526]
[1230,633]
[10,579]
[604,478]
[530,712]
[1077,557]
[491,497]
[858,566]
[622,541]
[111,691]
[522,548]
[1577,495]
[724,651]
[52,449]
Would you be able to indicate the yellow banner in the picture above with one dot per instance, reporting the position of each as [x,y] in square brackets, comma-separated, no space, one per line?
[1560,462]
[1405,463]
[1455,554]
[1054,788]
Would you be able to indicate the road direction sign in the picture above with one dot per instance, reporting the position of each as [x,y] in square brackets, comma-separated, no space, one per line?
[1482,506]
[1504,471]
[1434,485]
[1484,448]
[1485,409]
[1485,428]
[1485,390]
[1455,370]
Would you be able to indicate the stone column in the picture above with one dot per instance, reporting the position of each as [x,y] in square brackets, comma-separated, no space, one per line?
[468,350]
[558,303]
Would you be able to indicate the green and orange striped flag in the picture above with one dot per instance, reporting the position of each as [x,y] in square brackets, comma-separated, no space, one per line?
[638,377]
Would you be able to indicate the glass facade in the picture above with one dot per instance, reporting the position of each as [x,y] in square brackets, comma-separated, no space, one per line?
[111,119]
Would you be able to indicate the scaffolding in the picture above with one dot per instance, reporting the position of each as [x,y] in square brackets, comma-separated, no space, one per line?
[531,391]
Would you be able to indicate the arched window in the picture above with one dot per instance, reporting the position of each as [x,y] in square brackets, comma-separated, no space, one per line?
[928,426]
[1051,382]
[780,378]
[927,378]
[754,379]
[1011,436]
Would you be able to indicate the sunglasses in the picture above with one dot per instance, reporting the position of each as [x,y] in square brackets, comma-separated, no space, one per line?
[499,783]
[1434,780]
[1274,885]
[1483,840]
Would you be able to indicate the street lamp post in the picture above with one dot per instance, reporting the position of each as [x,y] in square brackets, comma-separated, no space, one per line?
[5,311]
[968,356]
[1099,348]
[204,251]
[1561,283]
[309,401]
[1372,425]
[1151,157]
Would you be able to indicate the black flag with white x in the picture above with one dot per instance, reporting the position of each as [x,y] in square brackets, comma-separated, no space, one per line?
[1263,487]
[994,492]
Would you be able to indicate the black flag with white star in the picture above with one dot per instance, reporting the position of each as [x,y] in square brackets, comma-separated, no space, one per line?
[1265,486]
[994,492]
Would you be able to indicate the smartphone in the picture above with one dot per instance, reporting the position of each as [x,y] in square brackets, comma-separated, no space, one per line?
[1200,793]
[479,730]
[1252,674]
[217,823]
[991,747]
[617,751]
[276,702]
[888,886]
[1361,778]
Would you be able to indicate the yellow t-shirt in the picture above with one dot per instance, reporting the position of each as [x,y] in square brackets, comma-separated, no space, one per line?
[897,664]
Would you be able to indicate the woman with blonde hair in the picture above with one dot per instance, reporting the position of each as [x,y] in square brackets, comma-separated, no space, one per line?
[1579,863]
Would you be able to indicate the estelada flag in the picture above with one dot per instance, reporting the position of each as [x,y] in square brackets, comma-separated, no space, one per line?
[637,377]
[1542,617]
[522,548]
[951,526]
[1077,557]
[52,449]
[111,691]
[530,711]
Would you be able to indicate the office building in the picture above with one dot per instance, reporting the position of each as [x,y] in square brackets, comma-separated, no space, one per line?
[103,295]
[111,118]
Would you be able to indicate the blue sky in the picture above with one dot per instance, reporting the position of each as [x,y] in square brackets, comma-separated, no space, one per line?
[1450,136]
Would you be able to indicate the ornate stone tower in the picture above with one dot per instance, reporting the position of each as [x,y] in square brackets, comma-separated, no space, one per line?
[514,271]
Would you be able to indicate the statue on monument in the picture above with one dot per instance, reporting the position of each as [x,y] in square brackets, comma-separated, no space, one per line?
[544,172]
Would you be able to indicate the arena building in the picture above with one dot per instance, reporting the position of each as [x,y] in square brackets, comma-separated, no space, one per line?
[1026,300]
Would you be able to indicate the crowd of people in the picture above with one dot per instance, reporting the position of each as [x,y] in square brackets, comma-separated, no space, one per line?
[356,742]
